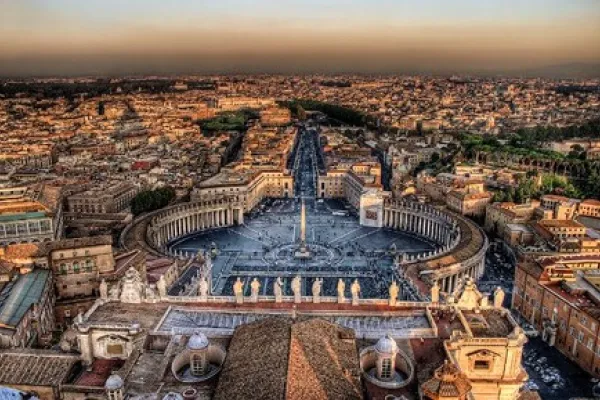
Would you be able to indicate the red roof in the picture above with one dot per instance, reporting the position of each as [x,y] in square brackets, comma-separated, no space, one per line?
[99,372]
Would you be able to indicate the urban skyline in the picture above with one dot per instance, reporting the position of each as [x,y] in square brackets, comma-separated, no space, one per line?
[299,200]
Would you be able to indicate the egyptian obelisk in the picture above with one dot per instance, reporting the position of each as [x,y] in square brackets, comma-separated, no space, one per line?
[303,224]
[303,251]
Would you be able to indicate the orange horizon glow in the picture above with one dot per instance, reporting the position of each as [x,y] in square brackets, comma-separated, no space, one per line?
[71,39]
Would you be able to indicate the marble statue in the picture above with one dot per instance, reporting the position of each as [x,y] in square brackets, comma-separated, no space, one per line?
[435,292]
[103,290]
[151,294]
[238,291]
[161,285]
[254,287]
[297,289]
[278,290]
[498,297]
[113,293]
[484,302]
[355,290]
[316,290]
[470,296]
[132,287]
[394,290]
[203,288]
[341,288]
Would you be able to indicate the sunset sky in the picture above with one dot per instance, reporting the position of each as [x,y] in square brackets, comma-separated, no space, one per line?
[396,36]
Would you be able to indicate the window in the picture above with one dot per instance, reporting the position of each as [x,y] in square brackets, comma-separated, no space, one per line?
[114,349]
[572,331]
[580,336]
[198,363]
[386,368]
[590,343]
[114,395]
[481,365]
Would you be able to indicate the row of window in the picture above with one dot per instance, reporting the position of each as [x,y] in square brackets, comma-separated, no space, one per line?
[580,338]
[77,267]
[75,253]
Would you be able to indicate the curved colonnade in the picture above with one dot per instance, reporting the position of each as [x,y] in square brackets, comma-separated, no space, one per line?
[460,252]
[462,244]
[182,219]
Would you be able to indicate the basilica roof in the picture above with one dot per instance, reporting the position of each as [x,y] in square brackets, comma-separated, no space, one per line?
[279,358]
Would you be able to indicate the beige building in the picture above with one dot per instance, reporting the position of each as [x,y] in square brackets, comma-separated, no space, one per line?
[350,183]
[25,221]
[250,187]
[589,208]
[499,215]
[469,204]
[78,264]
[275,116]
[560,297]
[112,198]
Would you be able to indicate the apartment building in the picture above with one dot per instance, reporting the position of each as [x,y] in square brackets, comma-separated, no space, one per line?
[560,297]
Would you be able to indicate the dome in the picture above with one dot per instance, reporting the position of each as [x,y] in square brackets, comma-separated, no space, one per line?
[198,341]
[447,380]
[172,396]
[114,382]
[386,345]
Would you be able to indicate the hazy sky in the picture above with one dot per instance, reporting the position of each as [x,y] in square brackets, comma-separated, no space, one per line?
[177,36]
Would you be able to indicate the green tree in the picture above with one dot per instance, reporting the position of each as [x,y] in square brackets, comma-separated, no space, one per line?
[150,200]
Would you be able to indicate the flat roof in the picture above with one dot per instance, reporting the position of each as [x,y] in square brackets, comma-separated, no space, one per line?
[561,223]
[22,216]
[19,295]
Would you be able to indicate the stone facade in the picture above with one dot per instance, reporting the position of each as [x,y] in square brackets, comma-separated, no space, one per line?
[110,199]
[559,297]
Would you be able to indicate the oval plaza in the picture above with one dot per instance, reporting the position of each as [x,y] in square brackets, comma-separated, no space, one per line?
[268,224]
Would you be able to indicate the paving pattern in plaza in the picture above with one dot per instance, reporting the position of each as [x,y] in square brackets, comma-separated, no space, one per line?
[264,248]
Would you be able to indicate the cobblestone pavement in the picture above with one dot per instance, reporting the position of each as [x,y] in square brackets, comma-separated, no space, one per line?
[552,374]
[263,247]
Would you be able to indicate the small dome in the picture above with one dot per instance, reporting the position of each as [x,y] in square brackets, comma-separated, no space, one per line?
[114,382]
[198,341]
[386,345]
[172,396]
